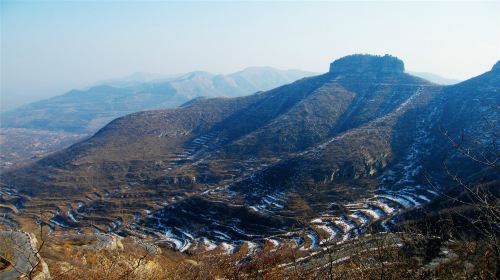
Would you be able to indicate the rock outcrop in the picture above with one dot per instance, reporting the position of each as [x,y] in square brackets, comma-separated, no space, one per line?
[361,63]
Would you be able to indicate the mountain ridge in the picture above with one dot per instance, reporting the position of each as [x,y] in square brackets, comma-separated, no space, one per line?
[80,113]
[91,108]
[322,159]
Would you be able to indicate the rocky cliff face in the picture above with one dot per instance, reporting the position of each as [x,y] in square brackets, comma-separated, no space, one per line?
[315,161]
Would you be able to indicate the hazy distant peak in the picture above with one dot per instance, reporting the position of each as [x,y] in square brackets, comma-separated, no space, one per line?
[268,69]
[360,63]
[196,74]
[258,68]
[133,79]
[434,78]
[88,109]
[145,76]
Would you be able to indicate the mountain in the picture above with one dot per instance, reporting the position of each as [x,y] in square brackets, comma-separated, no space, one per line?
[323,159]
[55,123]
[434,78]
[85,111]
[136,78]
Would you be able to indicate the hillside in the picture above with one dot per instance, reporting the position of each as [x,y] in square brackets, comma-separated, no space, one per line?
[324,159]
[49,125]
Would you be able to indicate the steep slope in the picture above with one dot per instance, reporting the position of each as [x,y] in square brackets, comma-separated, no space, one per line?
[316,161]
[345,100]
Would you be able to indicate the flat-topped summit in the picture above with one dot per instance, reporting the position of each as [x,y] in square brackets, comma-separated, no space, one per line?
[359,63]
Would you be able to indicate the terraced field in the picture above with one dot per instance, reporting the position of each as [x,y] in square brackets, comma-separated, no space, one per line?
[318,162]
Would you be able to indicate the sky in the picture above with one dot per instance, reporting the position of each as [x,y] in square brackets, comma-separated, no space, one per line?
[50,47]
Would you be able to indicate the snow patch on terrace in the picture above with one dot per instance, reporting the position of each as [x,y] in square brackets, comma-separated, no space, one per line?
[228,248]
[313,237]
[179,243]
[222,235]
[360,217]
[209,245]
[401,201]
[70,215]
[330,230]
[376,215]
[275,243]
[386,208]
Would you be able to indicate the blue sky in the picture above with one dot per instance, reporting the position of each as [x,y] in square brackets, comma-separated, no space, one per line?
[48,48]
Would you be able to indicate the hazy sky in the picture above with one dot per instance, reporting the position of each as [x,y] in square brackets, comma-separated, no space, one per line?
[48,48]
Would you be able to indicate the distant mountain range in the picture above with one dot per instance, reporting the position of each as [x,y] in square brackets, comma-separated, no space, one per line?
[320,160]
[85,111]
[48,125]
[434,78]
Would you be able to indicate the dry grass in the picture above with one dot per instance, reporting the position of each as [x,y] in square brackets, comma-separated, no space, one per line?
[378,259]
